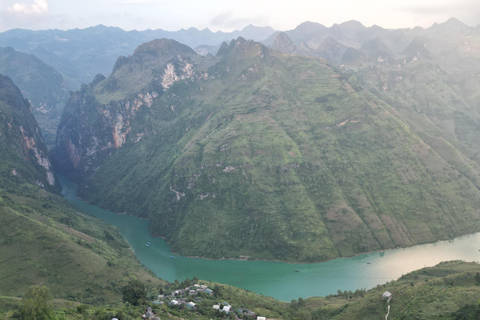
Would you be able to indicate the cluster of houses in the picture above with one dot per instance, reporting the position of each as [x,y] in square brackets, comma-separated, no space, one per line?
[180,297]
[227,308]
[184,297]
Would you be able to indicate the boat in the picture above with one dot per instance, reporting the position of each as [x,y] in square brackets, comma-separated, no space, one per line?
[173,257]
[368,262]
[149,243]
[296,270]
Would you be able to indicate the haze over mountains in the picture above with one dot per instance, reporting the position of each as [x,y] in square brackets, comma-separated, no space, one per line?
[261,154]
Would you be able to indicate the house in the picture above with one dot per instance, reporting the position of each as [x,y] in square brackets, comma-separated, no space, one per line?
[210,292]
[226,309]
[191,305]
[192,292]
[174,303]
[261,318]
[149,314]
[386,295]
[161,296]
[249,312]
[216,307]
[196,285]
[203,286]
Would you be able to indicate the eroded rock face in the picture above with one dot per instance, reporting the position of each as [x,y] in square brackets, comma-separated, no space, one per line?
[98,119]
[24,150]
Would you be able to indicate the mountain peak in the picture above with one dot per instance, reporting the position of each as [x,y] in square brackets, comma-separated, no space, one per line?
[282,42]
[162,46]
[451,24]
[352,24]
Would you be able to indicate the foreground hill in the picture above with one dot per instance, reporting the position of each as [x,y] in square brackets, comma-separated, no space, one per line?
[43,240]
[260,154]
[448,291]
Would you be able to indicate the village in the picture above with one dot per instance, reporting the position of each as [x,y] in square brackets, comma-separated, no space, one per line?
[199,298]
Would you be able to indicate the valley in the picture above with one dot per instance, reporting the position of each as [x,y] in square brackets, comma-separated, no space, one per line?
[297,174]
[276,279]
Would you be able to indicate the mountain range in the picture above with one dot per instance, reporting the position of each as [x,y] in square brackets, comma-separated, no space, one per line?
[315,143]
[260,154]
[80,54]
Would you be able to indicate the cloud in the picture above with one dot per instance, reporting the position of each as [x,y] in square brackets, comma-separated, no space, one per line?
[227,20]
[38,7]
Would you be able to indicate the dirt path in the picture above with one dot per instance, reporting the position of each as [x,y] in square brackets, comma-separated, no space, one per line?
[388,311]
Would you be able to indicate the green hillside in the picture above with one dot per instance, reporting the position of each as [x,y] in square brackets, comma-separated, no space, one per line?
[448,291]
[263,155]
[42,85]
[43,240]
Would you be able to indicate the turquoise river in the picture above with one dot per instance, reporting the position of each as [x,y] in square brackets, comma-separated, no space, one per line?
[277,279]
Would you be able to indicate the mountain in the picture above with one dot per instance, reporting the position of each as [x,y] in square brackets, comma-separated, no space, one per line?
[43,240]
[261,154]
[80,54]
[42,85]
[24,155]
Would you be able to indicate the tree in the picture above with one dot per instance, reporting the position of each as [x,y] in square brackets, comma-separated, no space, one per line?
[134,292]
[35,304]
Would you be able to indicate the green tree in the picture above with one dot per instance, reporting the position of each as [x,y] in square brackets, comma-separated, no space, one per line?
[134,292]
[35,304]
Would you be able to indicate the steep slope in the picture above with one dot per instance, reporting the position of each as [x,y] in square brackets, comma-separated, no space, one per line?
[447,291]
[42,85]
[23,152]
[43,240]
[264,155]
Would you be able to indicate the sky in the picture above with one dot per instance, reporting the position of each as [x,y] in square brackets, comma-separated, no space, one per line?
[229,15]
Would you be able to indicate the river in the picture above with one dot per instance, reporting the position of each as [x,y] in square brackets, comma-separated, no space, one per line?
[277,279]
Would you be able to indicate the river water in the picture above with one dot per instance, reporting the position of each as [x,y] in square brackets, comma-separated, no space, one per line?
[277,279]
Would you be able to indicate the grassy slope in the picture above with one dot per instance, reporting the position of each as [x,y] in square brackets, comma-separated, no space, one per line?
[448,291]
[271,168]
[45,241]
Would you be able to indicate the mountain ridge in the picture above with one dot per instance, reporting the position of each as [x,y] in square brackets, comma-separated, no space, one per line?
[313,165]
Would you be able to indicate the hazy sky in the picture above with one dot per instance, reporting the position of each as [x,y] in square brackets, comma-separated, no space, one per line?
[229,15]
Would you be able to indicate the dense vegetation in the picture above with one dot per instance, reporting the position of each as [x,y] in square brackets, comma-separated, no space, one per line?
[448,291]
[43,240]
[260,154]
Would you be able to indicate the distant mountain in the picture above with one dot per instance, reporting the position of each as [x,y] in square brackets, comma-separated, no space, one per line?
[45,88]
[261,154]
[80,54]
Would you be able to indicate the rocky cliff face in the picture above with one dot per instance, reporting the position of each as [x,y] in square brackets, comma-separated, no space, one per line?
[262,154]
[42,85]
[24,154]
